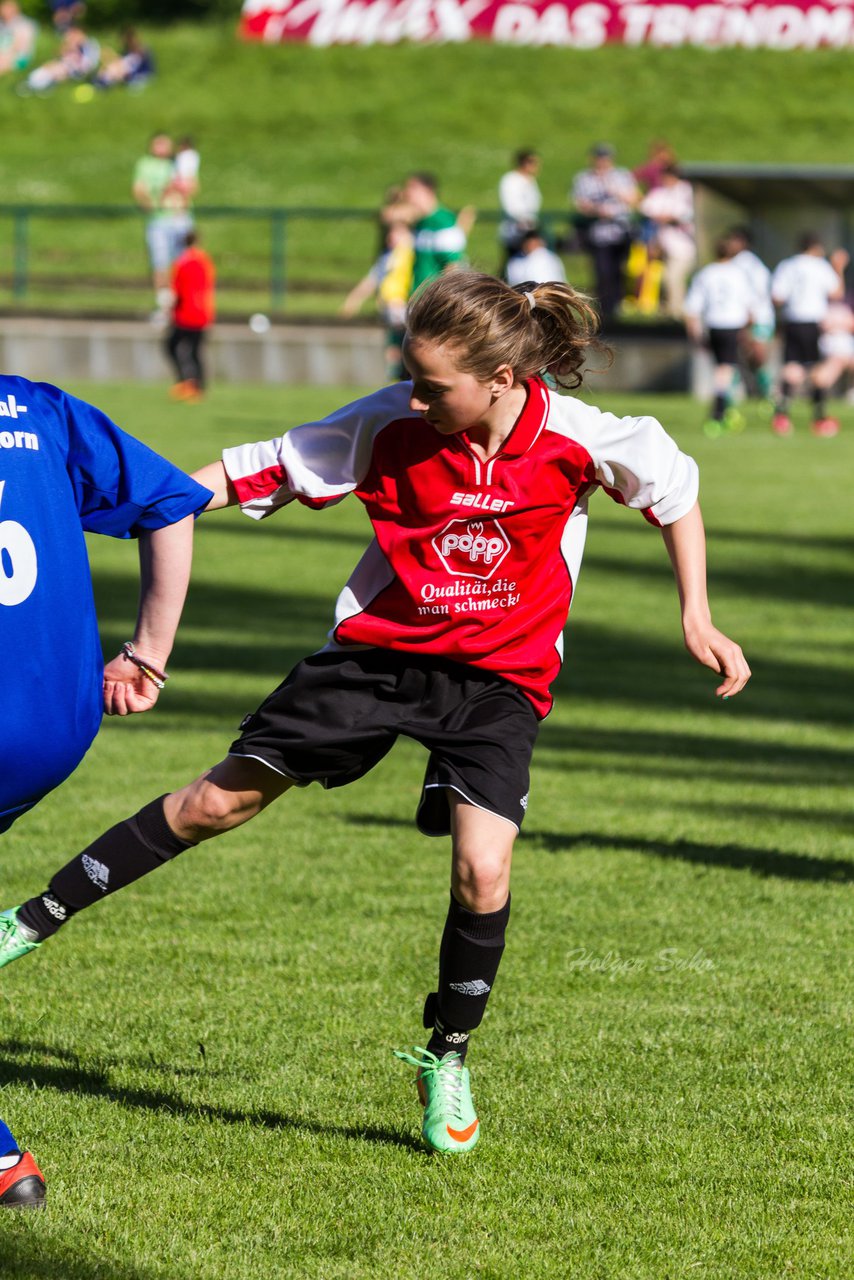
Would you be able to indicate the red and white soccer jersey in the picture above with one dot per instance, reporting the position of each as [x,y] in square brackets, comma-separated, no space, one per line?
[472,561]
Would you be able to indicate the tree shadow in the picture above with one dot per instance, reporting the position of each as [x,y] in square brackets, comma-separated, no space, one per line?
[783,579]
[762,862]
[617,665]
[69,1075]
[683,754]
[285,533]
[738,857]
[244,631]
[27,1256]
[807,817]
[775,538]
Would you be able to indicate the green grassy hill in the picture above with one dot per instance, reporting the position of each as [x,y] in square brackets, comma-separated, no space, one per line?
[291,125]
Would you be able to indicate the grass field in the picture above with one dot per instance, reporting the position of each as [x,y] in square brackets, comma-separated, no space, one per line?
[203,1064]
[297,126]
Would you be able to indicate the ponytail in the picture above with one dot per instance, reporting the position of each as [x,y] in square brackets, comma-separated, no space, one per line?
[533,328]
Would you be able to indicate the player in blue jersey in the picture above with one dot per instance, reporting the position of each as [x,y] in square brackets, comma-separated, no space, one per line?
[65,468]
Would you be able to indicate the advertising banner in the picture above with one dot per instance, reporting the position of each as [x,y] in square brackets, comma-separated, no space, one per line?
[797,24]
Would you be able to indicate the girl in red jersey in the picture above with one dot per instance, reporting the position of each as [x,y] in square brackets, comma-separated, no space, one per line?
[476,478]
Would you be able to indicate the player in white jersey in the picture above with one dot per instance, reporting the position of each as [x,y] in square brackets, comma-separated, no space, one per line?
[757,338]
[803,288]
[719,307]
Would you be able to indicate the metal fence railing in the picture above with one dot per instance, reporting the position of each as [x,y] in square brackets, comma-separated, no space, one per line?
[91,257]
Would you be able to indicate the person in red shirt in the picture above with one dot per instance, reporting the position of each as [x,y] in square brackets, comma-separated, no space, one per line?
[476,477]
[193,312]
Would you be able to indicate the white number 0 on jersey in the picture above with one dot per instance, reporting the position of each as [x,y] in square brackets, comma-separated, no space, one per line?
[18,562]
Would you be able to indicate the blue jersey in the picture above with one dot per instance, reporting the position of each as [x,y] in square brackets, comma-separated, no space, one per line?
[64,468]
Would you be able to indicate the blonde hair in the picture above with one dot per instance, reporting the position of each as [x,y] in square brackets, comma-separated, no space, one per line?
[532,328]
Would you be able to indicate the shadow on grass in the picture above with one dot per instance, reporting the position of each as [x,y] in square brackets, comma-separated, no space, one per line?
[69,1075]
[266,628]
[807,817]
[763,862]
[784,580]
[288,532]
[616,665]
[779,539]
[693,755]
[29,1256]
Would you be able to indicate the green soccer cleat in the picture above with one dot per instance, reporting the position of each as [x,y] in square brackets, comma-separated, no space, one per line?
[450,1123]
[15,938]
[734,422]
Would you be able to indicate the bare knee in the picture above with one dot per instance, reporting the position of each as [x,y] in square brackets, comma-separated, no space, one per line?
[481,882]
[203,810]
[482,854]
[228,795]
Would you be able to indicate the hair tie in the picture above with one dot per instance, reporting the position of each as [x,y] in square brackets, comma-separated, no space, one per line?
[531,300]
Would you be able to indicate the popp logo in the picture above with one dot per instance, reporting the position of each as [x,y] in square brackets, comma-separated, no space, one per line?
[472,548]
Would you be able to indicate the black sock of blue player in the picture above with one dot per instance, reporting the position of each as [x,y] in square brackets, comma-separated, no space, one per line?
[121,855]
[471,950]
[819,407]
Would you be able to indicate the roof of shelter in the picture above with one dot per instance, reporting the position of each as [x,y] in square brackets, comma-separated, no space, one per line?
[755,185]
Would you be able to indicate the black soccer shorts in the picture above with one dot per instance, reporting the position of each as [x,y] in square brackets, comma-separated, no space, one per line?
[339,713]
[800,343]
[723,344]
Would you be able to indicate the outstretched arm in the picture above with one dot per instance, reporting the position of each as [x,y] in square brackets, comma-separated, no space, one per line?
[165,557]
[685,540]
[359,295]
[214,477]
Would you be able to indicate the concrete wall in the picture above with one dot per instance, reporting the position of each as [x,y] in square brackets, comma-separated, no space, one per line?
[59,350]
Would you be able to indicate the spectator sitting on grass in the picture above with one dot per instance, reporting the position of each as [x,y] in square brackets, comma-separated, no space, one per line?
[67,13]
[78,59]
[17,38]
[133,66]
[535,262]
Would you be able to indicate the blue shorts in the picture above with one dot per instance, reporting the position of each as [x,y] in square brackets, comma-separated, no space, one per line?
[34,763]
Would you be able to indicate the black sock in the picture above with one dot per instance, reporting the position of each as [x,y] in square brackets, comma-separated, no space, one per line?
[719,406]
[818,405]
[784,398]
[121,855]
[471,950]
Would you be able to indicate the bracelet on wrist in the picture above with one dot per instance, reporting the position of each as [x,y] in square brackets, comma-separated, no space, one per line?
[157,678]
